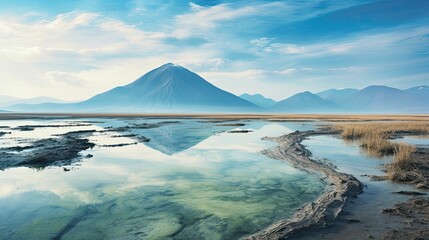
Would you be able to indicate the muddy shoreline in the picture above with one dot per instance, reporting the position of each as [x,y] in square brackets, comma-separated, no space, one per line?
[61,151]
[335,208]
[323,212]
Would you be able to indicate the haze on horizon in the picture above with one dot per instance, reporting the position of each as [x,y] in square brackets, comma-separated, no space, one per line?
[73,50]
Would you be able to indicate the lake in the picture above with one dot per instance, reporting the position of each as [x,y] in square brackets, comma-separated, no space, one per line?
[189,179]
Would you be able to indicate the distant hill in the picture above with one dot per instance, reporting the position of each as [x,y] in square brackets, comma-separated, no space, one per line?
[259,100]
[9,100]
[4,99]
[421,92]
[382,99]
[169,88]
[174,89]
[305,102]
[337,95]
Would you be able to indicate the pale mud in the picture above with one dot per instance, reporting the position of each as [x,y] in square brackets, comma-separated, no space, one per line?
[323,212]
[415,212]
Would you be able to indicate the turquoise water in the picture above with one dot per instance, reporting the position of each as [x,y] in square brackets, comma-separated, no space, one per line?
[193,180]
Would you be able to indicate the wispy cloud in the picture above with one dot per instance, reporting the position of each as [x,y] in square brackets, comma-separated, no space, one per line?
[239,46]
[402,39]
[236,75]
[287,71]
[201,20]
[64,77]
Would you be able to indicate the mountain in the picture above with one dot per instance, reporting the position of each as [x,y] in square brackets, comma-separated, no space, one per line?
[305,102]
[169,88]
[422,92]
[259,100]
[382,99]
[9,100]
[337,95]
[4,99]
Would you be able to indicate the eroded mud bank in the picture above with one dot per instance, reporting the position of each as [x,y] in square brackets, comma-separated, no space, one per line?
[60,151]
[322,212]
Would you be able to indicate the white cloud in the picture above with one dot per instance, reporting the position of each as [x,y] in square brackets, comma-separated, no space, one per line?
[368,42]
[204,19]
[234,76]
[71,20]
[64,77]
[212,64]
[350,68]
[74,35]
[85,53]
[287,71]
[286,48]
[261,42]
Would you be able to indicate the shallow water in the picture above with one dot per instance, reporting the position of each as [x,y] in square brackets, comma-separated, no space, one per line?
[377,195]
[419,141]
[193,180]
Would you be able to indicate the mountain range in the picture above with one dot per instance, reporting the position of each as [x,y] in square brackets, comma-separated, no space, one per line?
[421,92]
[9,100]
[372,99]
[174,89]
[168,88]
[303,103]
[259,100]
[337,95]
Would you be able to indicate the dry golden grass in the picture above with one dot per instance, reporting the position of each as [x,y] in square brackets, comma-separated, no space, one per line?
[374,136]
[377,144]
[374,139]
[403,154]
[363,130]
[402,167]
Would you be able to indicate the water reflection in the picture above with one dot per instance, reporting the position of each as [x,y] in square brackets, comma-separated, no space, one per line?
[213,185]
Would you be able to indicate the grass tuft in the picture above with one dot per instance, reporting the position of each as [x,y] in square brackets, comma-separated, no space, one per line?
[374,138]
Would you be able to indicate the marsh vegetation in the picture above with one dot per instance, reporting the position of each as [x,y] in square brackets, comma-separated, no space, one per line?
[409,162]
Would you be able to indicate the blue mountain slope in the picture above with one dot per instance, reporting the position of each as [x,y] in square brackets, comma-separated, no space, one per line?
[8,100]
[259,100]
[169,88]
[305,102]
[337,95]
[382,99]
[421,92]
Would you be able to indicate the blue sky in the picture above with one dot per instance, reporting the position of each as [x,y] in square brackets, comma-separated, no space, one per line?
[75,49]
